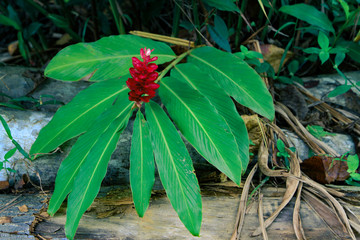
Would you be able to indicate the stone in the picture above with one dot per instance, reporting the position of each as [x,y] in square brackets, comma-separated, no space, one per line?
[341,143]
[25,127]
[61,91]
[321,86]
[16,81]
[13,83]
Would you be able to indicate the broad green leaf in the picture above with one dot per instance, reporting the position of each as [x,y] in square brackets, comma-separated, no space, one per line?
[209,87]
[220,27]
[308,14]
[202,126]
[355,176]
[339,90]
[219,33]
[4,20]
[70,166]
[354,49]
[318,131]
[224,5]
[353,163]
[312,50]
[237,78]
[220,40]
[352,183]
[346,8]
[280,145]
[175,168]
[324,56]
[91,174]
[339,58]
[22,46]
[79,114]
[109,57]
[323,41]
[142,166]
[10,153]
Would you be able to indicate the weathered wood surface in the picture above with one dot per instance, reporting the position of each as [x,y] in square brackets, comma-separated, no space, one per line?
[119,220]
[219,214]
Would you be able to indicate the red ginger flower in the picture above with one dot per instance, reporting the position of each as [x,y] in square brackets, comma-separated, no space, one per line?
[142,84]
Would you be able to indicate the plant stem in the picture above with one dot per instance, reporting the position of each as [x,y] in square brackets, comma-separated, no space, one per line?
[172,64]
[95,19]
[256,188]
[263,35]
[239,24]
[196,20]
[118,20]
[175,27]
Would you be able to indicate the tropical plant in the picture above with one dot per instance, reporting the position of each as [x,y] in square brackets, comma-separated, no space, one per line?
[196,95]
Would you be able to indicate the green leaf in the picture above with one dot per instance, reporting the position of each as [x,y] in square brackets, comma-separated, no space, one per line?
[175,168]
[22,46]
[318,131]
[201,125]
[312,50]
[70,166]
[142,166]
[339,58]
[31,29]
[10,153]
[79,114]
[354,50]
[280,146]
[309,14]
[6,127]
[353,163]
[220,27]
[293,67]
[224,5]
[110,57]
[209,87]
[355,176]
[219,33]
[339,90]
[323,41]
[236,77]
[283,27]
[253,55]
[324,56]
[91,174]
[9,22]
[346,8]
[350,181]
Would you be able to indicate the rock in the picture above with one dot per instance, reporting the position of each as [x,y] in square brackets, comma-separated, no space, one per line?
[61,91]
[293,99]
[25,127]
[23,81]
[341,143]
[13,83]
[322,85]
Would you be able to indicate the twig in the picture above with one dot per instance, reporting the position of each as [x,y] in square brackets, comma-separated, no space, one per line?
[242,206]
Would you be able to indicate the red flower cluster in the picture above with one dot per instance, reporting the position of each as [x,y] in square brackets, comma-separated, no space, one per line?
[143,74]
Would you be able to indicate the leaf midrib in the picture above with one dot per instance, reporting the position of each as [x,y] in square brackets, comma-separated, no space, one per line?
[224,74]
[172,161]
[192,113]
[99,59]
[83,159]
[96,168]
[190,82]
[68,125]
